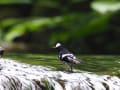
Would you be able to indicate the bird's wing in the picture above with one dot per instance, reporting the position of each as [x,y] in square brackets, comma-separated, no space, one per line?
[68,55]
[71,58]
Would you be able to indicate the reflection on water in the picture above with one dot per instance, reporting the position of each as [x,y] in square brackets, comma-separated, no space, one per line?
[100,64]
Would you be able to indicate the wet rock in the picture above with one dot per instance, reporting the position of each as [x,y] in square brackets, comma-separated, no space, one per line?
[20,76]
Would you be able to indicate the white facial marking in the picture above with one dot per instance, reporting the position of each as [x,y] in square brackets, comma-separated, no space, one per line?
[57,45]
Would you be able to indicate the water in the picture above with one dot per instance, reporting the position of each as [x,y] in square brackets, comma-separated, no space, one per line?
[20,76]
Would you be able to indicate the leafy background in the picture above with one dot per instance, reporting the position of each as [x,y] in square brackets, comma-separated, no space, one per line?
[90,26]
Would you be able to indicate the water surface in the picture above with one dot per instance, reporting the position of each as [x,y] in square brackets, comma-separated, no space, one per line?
[100,64]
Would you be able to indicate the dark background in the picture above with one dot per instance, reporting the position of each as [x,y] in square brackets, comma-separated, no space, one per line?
[34,26]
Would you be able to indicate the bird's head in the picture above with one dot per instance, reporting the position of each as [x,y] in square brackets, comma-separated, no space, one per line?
[58,45]
[1,51]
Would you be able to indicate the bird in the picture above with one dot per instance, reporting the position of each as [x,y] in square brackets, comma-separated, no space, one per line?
[1,51]
[66,56]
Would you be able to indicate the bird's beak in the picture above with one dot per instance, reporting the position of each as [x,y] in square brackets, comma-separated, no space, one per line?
[54,47]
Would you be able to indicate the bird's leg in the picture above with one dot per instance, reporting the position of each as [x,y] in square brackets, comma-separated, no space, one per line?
[71,68]
[68,65]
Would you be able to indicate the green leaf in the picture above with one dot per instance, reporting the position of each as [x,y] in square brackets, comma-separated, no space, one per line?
[38,23]
[79,26]
[14,1]
[29,25]
[16,31]
[8,22]
[106,6]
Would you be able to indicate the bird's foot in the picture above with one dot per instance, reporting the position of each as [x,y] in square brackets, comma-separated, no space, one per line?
[68,71]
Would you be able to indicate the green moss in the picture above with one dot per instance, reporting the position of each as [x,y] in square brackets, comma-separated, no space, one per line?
[48,86]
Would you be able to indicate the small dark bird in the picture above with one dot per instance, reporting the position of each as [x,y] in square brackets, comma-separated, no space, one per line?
[1,51]
[66,57]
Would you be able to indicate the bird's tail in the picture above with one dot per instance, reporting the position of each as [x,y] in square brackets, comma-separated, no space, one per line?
[76,61]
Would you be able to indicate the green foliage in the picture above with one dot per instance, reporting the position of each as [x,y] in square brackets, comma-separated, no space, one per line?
[80,25]
[66,23]
[20,27]
[9,22]
[106,6]
[14,1]
[73,26]
[15,32]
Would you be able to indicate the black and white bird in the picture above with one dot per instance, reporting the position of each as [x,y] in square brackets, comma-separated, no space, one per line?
[1,51]
[66,57]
